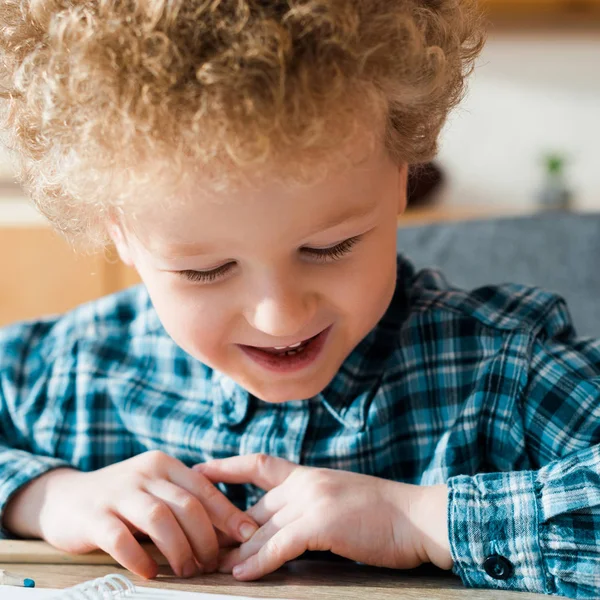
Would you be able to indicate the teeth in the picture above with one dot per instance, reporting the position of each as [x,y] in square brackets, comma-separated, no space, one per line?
[282,347]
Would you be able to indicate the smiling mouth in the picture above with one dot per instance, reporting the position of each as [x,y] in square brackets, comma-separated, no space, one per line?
[289,360]
[288,350]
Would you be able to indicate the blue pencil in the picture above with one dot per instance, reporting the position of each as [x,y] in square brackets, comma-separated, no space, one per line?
[7,578]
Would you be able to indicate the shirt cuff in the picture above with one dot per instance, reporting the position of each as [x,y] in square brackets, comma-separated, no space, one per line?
[18,468]
[493,527]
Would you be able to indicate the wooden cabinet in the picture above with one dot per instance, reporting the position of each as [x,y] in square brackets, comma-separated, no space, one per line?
[40,274]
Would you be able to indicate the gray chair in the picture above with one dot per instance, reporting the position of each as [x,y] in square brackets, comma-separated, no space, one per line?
[555,251]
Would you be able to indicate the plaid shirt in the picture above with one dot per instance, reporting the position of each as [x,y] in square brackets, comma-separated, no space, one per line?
[490,392]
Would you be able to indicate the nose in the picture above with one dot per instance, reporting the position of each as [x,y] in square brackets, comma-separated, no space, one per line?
[281,309]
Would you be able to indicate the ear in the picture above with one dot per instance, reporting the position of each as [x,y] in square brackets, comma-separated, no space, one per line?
[402,187]
[119,239]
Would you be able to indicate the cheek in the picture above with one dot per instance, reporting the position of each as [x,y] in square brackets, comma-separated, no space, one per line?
[194,320]
[368,283]
[375,291]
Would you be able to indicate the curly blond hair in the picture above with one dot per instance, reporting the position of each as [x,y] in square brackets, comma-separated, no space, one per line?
[93,92]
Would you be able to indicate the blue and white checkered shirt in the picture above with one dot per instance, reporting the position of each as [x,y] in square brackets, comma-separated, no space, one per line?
[489,391]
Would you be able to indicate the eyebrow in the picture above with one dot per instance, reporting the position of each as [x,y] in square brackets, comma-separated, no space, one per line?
[351,213]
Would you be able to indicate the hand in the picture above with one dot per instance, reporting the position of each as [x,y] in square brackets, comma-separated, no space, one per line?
[152,494]
[363,518]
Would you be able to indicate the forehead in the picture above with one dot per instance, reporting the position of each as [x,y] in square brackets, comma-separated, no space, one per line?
[185,214]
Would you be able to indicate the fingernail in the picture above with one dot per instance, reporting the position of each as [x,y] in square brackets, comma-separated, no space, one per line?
[189,568]
[238,570]
[247,530]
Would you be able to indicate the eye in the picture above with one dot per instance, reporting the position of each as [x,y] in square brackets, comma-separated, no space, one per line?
[335,252]
[205,276]
[319,254]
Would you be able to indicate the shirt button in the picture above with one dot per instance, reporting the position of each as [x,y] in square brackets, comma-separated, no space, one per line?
[498,567]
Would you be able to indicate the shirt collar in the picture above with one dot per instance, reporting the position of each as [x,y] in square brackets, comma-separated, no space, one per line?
[230,400]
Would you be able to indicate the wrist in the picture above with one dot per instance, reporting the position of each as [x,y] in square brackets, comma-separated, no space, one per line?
[23,512]
[431,517]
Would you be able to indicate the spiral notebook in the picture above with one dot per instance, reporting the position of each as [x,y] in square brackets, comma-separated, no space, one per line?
[109,587]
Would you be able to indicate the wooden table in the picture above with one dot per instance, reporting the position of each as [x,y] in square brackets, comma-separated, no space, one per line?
[310,579]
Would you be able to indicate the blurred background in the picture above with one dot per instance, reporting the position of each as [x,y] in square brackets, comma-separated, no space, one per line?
[524,141]
[529,126]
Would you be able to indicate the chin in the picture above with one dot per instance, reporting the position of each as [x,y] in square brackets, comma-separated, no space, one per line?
[286,393]
[282,399]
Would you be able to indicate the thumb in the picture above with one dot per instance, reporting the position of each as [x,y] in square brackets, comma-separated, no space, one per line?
[262,470]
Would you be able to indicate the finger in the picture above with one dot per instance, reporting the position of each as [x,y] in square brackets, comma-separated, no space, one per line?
[153,517]
[262,470]
[228,558]
[193,521]
[224,540]
[288,543]
[254,544]
[271,503]
[221,512]
[116,540]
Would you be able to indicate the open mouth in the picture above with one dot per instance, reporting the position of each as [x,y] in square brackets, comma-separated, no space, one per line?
[291,358]
[288,350]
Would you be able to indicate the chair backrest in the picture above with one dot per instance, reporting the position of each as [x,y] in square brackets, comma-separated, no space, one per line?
[556,251]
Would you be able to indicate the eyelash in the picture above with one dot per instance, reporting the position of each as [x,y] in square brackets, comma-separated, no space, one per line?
[320,254]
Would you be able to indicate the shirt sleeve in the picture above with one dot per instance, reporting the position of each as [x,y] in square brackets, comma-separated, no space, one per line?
[539,530]
[24,437]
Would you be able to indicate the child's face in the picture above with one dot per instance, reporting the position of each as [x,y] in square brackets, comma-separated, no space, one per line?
[270,289]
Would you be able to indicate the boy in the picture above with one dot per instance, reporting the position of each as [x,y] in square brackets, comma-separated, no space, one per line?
[249,159]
